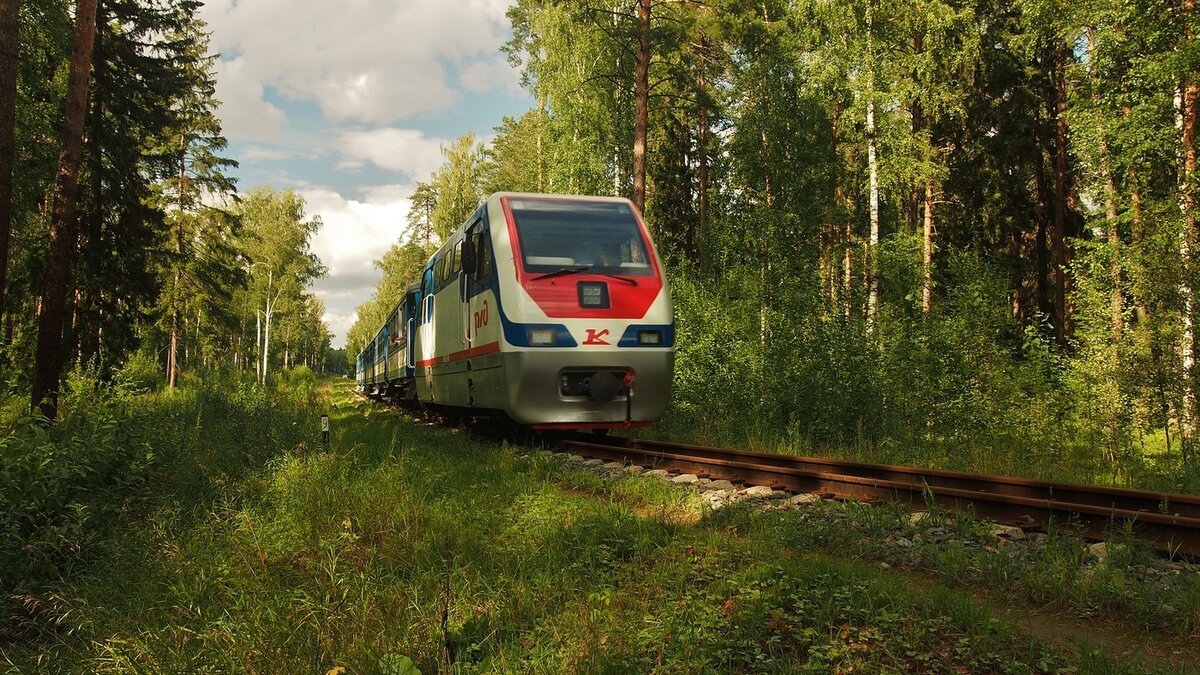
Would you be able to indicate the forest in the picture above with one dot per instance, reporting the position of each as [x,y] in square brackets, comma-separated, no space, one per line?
[953,233]
[946,232]
[129,252]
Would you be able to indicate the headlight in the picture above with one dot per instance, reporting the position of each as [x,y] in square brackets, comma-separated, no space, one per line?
[650,337]
[541,337]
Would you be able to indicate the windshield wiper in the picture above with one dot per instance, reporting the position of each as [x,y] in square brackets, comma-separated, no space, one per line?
[584,268]
[562,271]
[631,282]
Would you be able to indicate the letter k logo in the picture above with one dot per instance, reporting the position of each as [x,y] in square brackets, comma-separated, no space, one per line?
[594,338]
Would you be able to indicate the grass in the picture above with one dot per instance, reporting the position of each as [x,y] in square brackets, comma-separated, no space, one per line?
[402,545]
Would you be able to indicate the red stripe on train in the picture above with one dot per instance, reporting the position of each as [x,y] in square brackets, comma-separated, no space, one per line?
[489,348]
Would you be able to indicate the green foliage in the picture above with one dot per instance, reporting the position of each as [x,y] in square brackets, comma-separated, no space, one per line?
[62,483]
[140,374]
[458,185]
[1014,130]
[66,486]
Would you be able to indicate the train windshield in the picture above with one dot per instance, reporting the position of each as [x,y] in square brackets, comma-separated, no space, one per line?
[557,235]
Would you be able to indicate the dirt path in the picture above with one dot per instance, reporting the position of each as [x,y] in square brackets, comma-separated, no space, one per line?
[1115,638]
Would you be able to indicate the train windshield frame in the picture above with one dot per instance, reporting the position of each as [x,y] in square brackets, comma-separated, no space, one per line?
[577,235]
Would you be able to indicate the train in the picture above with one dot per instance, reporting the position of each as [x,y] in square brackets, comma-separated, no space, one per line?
[552,312]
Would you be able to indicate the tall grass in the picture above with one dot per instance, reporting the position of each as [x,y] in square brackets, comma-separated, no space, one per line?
[397,545]
[116,452]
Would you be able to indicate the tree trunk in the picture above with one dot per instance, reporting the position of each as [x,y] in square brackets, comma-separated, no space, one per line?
[1117,314]
[1041,239]
[917,123]
[1188,112]
[258,351]
[702,153]
[641,105]
[873,241]
[848,260]
[829,253]
[48,360]
[871,268]
[266,340]
[173,345]
[1114,242]
[10,19]
[927,290]
[1059,234]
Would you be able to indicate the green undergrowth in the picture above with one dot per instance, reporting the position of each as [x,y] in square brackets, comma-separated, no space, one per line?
[115,455]
[400,546]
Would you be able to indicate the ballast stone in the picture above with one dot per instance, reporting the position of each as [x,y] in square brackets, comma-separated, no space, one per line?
[917,517]
[718,499]
[613,466]
[758,491]
[1008,532]
[593,462]
[716,485]
[686,479]
[805,498]
[659,473]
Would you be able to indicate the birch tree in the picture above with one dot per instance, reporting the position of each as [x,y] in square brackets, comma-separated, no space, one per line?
[279,263]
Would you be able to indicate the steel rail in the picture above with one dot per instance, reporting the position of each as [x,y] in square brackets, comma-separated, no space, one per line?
[1171,522]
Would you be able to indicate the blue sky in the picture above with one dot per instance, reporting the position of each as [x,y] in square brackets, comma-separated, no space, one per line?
[349,103]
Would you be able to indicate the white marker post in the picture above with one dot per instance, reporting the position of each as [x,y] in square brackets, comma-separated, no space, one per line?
[325,430]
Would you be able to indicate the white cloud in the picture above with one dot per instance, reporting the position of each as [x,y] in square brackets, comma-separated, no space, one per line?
[408,151]
[375,61]
[243,112]
[258,153]
[353,235]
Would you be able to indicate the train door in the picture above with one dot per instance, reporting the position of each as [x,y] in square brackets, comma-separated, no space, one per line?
[476,278]
[483,384]
[425,332]
[449,327]
[395,370]
[466,280]
[410,319]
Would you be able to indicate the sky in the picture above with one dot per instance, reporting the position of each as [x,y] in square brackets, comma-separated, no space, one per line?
[349,103]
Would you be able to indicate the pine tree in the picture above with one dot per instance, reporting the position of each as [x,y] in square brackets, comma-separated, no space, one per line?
[49,358]
[200,263]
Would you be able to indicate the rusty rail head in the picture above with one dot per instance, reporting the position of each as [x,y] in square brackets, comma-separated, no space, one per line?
[1170,522]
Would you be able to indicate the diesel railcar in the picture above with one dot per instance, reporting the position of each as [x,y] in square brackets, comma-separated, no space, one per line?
[553,311]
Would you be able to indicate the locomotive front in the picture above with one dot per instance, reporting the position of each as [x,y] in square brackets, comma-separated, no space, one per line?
[588,326]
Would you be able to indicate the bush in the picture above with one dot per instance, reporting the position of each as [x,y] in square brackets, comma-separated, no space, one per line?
[139,375]
[61,482]
[65,484]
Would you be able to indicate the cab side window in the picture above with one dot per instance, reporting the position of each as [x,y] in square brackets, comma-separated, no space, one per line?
[483,257]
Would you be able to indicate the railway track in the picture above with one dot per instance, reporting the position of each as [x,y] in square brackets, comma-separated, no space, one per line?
[1170,521]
